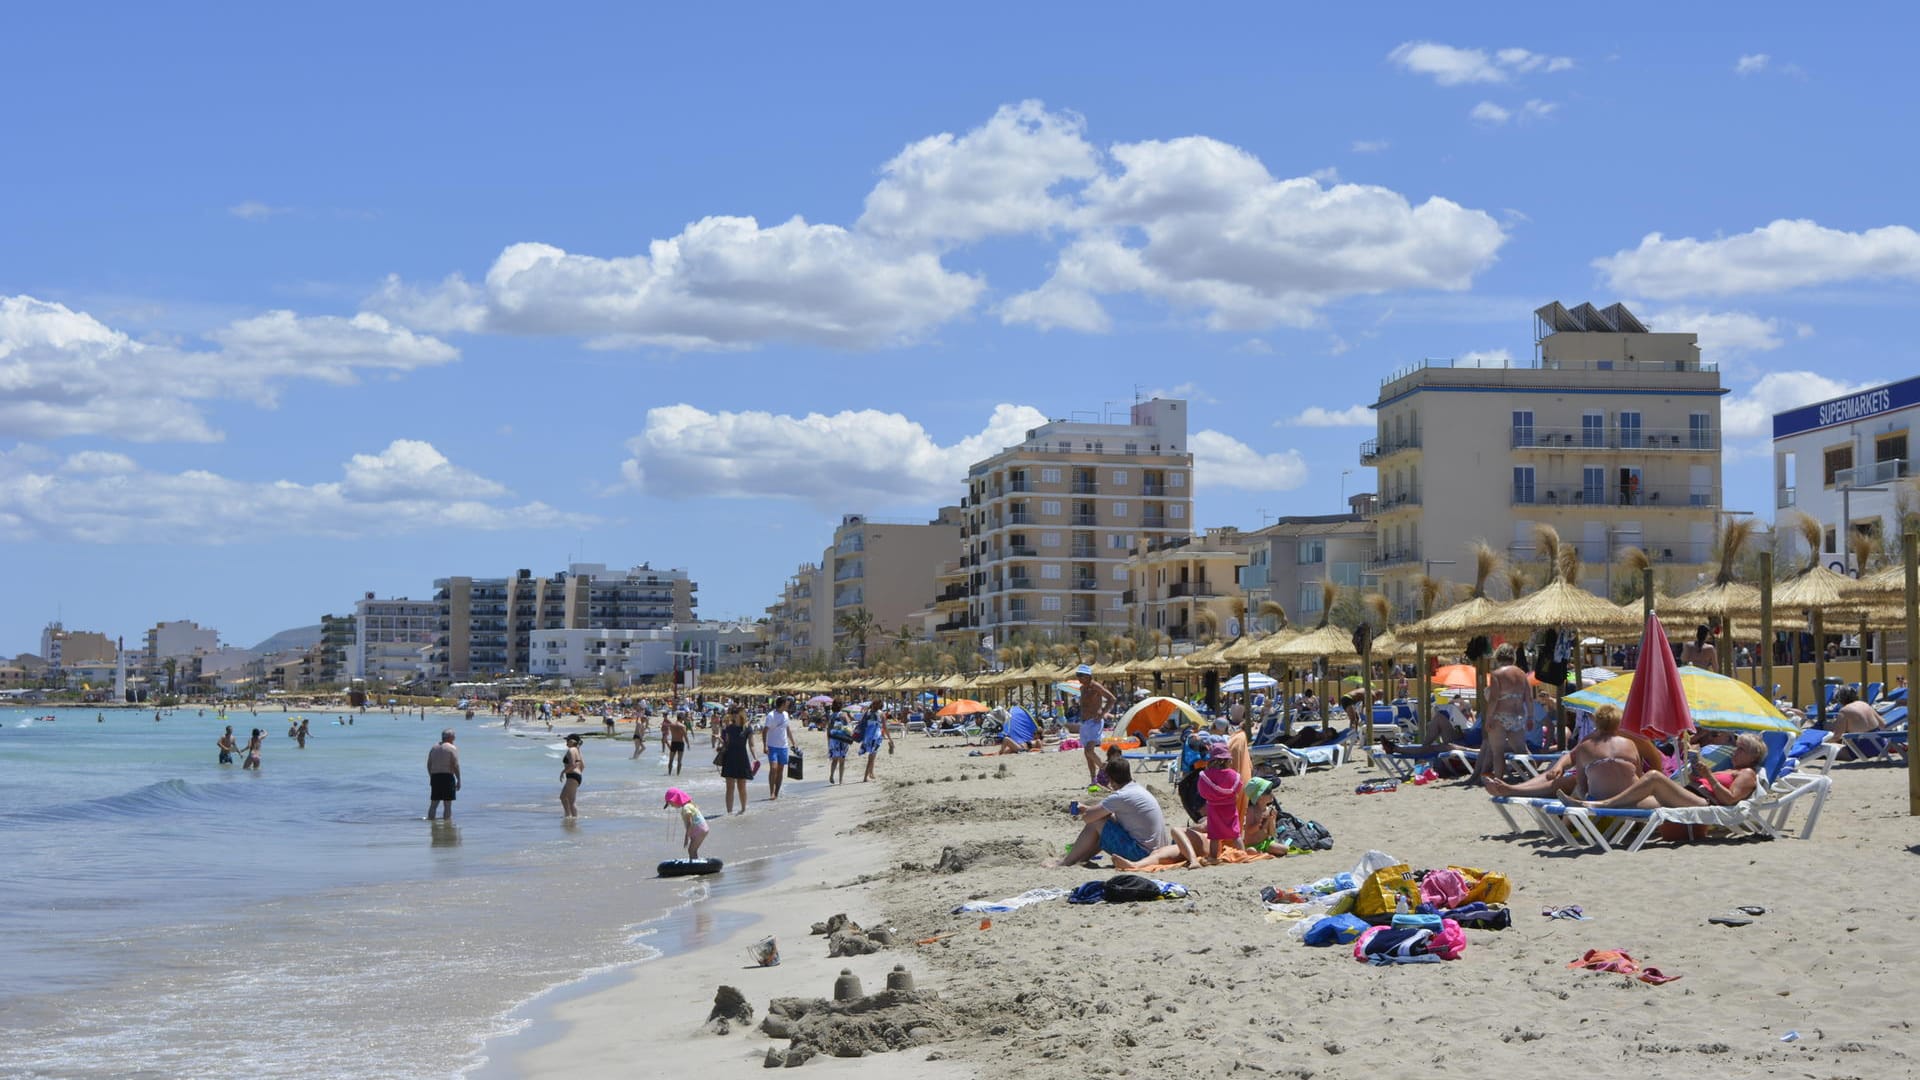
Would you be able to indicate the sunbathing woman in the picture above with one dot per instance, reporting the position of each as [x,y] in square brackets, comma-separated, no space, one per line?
[1706,788]
[1600,766]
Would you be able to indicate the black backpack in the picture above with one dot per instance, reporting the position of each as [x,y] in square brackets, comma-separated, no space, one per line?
[1127,888]
[1305,835]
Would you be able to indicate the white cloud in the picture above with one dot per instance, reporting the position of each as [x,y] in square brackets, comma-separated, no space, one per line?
[63,372]
[1194,223]
[256,211]
[1328,175]
[1726,335]
[102,498]
[1186,391]
[1220,460]
[1531,109]
[1450,65]
[1370,146]
[1254,347]
[848,458]
[1484,358]
[1320,416]
[1220,235]
[1749,414]
[1781,255]
[998,178]
[1751,64]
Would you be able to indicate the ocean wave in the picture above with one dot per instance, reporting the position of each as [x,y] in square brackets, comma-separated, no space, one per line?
[154,800]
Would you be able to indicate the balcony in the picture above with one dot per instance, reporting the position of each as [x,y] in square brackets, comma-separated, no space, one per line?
[1019,581]
[1129,596]
[951,625]
[1019,485]
[1398,557]
[1153,521]
[1153,489]
[1086,487]
[1019,517]
[1086,519]
[1021,551]
[1394,504]
[1616,496]
[1879,472]
[1086,584]
[1085,551]
[951,592]
[1784,498]
[1376,450]
[1083,617]
[1190,588]
[1629,439]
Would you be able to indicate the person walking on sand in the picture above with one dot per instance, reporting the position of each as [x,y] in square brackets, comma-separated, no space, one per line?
[443,776]
[874,730]
[1095,701]
[1505,728]
[673,740]
[839,736]
[253,750]
[735,757]
[227,746]
[776,740]
[573,769]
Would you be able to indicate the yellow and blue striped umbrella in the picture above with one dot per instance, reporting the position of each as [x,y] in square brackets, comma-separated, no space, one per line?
[1714,700]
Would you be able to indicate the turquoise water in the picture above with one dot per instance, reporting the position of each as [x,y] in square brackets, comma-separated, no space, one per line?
[161,914]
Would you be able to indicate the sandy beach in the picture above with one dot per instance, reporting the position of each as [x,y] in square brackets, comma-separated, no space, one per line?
[1214,986]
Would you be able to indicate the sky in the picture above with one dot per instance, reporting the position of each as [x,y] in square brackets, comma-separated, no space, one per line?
[298,304]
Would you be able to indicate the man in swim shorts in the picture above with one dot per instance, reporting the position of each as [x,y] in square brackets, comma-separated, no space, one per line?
[1095,702]
[227,747]
[443,776]
[673,739]
[776,734]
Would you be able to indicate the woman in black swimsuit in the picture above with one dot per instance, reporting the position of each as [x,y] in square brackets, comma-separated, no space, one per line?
[573,769]
[736,758]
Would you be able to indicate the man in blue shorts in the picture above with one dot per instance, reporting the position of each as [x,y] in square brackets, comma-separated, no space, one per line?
[776,735]
[1126,824]
[1095,702]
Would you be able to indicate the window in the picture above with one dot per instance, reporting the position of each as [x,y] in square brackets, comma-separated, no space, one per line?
[1175,479]
[1049,539]
[1700,431]
[1049,603]
[1309,599]
[1119,476]
[1630,431]
[1119,509]
[1133,448]
[1829,547]
[1176,511]
[1050,571]
[1837,459]
[1891,447]
[1120,541]
[1120,573]
[1593,485]
[1593,429]
[1523,427]
[1312,551]
[1522,481]
[1050,507]
[1049,476]
[1347,574]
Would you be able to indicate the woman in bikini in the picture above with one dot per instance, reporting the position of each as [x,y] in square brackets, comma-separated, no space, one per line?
[1704,786]
[1505,729]
[573,769]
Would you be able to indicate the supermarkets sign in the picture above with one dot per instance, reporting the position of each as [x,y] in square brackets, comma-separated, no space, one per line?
[1848,409]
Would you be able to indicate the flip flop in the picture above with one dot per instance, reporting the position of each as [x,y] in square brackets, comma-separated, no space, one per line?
[1751,909]
[1730,920]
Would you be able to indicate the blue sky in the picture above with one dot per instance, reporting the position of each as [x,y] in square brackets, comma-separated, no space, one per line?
[299,305]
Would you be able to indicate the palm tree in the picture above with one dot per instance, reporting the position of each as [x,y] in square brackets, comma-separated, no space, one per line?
[857,624]
[1271,609]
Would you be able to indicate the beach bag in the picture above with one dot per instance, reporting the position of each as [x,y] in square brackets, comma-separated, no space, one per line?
[1385,892]
[1335,930]
[1485,886]
[1390,944]
[1449,941]
[796,764]
[1190,800]
[1131,888]
[1305,835]
[1444,888]
[1478,916]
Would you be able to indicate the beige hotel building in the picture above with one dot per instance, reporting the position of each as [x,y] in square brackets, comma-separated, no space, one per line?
[1051,522]
[1611,435]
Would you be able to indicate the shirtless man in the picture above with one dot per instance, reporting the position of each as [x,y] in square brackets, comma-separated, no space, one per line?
[1505,729]
[639,734]
[443,776]
[1602,765]
[673,739]
[227,746]
[1854,716]
[1701,651]
[1095,702]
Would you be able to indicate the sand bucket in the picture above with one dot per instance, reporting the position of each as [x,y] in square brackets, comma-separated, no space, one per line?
[765,952]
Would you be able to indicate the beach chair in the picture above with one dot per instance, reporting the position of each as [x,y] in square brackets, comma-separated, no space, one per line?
[1326,755]
[1281,757]
[1872,693]
[1811,752]
[1768,813]
[1403,765]
[1546,815]
[1878,745]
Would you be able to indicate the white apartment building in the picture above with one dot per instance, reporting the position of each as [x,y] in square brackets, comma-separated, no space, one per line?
[178,640]
[1844,460]
[393,639]
[631,655]
[1050,522]
[1291,558]
[1611,435]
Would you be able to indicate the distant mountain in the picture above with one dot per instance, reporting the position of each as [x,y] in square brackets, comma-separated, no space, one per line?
[300,637]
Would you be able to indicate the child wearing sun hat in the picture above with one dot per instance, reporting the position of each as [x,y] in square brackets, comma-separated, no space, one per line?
[696,822]
[1220,787]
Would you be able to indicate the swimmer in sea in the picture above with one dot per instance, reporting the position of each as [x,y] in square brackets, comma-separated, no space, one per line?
[253,750]
[227,746]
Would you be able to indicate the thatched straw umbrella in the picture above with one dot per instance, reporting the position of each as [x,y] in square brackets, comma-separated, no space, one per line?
[1724,597]
[1456,625]
[1323,642]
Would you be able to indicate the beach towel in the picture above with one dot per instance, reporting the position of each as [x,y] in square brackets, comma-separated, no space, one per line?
[1228,854]
[1619,963]
[1011,903]
[1335,930]
[1127,889]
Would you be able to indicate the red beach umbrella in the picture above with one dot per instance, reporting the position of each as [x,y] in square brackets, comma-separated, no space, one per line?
[1657,704]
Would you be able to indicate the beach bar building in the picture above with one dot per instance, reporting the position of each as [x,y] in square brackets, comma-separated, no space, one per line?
[1844,461]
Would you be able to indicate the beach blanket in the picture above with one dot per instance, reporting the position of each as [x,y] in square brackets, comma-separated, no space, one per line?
[1619,963]
[1127,888]
[1227,855]
[1011,903]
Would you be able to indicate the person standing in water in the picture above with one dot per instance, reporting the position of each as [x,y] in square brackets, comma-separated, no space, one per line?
[573,770]
[253,750]
[776,734]
[302,733]
[443,775]
[227,746]
[639,735]
[673,740]
[736,757]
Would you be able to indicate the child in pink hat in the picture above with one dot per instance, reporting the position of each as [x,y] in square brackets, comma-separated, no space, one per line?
[696,822]
[1220,787]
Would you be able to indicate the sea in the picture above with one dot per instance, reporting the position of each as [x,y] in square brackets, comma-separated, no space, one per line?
[162,915]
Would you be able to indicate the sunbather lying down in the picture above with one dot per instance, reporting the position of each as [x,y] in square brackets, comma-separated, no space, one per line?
[1600,766]
[1704,788]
